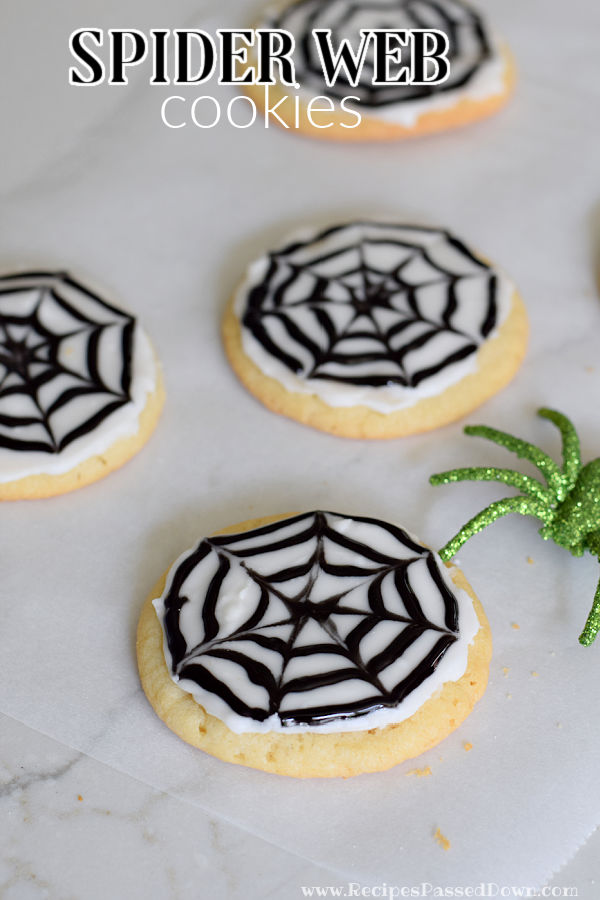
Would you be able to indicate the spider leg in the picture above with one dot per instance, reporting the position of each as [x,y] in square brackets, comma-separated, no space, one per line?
[549,469]
[592,625]
[524,483]
[571,450]
[526,506]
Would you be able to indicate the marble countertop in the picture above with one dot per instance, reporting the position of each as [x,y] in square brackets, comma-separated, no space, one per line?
[80,187]
[74,828]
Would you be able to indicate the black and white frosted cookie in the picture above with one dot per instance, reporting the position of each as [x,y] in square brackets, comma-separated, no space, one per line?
[316,644]
[481,73]
[375,329]
[80,386]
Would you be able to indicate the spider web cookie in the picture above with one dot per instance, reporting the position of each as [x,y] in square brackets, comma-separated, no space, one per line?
[319,618]
[313,644]
[372,315]
[479,81]
[52,338]
[75,374]
[471,51]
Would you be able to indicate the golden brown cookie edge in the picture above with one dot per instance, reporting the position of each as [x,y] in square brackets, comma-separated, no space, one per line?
[498,361]
[37,487]
[310,755]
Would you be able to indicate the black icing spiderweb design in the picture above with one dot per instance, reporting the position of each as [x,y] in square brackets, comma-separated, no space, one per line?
[330,626]
[373,304]
[65,361]
[469,47]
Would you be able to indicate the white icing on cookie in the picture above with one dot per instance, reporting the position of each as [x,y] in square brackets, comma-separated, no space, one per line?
[75,375]
[370,314]
[319,622]
[478,68]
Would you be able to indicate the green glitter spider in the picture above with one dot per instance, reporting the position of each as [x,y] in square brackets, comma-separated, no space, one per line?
[568,505]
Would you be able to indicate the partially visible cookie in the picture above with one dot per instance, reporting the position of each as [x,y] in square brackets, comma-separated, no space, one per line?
[80,386]
[375,330]
[481,79]
[313,645]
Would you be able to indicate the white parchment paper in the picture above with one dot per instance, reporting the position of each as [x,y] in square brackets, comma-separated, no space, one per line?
[165,222]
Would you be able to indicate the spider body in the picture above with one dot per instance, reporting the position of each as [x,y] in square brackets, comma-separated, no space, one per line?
[570,527]
[568,503]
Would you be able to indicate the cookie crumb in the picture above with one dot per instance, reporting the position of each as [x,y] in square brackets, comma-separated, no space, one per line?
[420,773]
[442,840]
[468,746]
[535,674]
[79,797]
[505,670]
[529,560]
[514,625]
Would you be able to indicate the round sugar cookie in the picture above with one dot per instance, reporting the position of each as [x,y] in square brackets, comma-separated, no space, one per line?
[481,76]
[80,386]
[375,330]
[313,645]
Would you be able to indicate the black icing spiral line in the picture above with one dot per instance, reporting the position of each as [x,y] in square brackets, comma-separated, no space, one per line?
[396,327]
[52,331]
[469,46]
[342,626]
